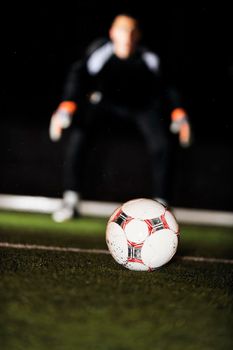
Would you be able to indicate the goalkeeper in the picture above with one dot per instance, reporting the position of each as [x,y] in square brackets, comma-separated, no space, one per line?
[118,78]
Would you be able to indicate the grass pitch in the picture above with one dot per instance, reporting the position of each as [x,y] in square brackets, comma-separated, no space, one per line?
[64,300]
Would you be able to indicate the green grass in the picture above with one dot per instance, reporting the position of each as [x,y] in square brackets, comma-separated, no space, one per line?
[62,301]
[39,222]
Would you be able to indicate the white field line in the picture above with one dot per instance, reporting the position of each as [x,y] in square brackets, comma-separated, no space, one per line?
[52,248]
[102,251]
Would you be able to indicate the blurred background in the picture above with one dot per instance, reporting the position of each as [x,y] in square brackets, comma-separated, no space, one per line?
[39,44]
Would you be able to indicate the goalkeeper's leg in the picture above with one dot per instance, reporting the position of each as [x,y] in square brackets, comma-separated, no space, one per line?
[72,178]
[158,146]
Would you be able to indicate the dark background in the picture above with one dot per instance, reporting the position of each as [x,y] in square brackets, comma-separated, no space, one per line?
[39,44]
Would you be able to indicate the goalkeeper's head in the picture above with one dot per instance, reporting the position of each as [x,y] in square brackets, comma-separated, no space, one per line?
[125,34]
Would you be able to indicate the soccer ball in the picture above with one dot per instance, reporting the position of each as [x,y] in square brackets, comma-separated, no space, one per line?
[142,235]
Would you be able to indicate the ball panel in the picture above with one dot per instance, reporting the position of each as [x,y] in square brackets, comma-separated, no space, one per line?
[117,242]
[143,208]
[114,214]
[172,223]
[159,248]
[136,231]
[136,266]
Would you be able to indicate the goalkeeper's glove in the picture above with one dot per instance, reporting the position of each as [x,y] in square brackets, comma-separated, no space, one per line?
[61,119]
[180,124]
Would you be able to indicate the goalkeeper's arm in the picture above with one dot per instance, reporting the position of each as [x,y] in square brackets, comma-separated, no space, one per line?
[180,125]
[61,119]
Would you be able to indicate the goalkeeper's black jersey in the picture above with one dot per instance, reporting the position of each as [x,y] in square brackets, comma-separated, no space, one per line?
[134,83]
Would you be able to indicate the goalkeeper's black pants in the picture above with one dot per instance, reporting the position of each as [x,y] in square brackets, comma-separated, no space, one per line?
[155,137]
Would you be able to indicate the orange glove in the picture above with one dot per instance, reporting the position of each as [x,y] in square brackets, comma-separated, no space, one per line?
[61,119]
[180,124]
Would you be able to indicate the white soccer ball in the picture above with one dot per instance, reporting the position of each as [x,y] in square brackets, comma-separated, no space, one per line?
[142,235]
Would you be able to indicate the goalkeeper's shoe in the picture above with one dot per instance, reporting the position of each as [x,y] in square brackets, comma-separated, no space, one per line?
[63,214]
[69,208]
